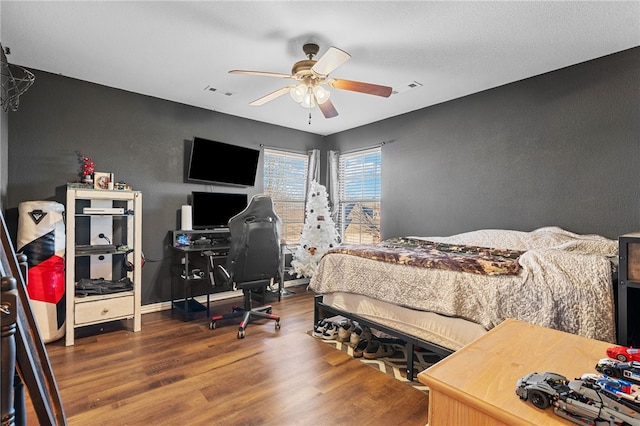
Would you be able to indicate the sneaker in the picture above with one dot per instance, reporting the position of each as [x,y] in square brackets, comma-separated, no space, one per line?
[377,349]
[359,349]
[344,331]
[331,332]
[355,336]
[319,328]
[363,333]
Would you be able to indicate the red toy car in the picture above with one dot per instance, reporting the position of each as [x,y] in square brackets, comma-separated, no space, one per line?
[623,353]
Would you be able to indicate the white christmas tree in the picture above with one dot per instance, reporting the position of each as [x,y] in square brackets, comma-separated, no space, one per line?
[319,233]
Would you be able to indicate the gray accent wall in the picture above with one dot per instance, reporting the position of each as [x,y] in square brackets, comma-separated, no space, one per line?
[143,140]
[561,149]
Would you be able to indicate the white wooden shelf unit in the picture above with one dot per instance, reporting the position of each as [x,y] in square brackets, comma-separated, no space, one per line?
[103,229]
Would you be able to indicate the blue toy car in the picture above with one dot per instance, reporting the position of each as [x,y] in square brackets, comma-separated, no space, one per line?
[625,370]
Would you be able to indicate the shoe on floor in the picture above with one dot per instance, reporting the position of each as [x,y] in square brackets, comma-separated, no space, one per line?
[359,349]
[344,331]
[331,332]
[358,334]
[376,349]
[319,328]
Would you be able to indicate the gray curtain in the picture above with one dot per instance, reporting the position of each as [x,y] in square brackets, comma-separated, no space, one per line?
[313,169]
[332,182]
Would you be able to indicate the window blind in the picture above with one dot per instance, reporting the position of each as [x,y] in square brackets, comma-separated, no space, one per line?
[285,178]
[360,180]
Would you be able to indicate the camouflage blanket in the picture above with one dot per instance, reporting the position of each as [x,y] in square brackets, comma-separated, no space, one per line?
[432,254]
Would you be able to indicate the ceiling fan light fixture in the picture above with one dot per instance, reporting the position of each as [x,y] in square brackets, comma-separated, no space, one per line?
[310,74]
[298,92]
[309,99]
[321,94]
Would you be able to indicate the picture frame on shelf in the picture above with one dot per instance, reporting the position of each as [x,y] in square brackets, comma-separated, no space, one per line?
[103,180]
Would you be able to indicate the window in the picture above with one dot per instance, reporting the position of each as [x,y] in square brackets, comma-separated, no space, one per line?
[285,180]
[359,176]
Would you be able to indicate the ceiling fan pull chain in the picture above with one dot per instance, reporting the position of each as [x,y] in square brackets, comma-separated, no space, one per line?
[309,117]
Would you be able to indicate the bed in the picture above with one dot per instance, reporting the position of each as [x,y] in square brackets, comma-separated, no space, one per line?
[444,292]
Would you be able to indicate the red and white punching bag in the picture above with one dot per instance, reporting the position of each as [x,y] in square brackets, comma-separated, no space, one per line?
[41,237]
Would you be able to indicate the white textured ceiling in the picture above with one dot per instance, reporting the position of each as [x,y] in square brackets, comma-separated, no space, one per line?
[175,50]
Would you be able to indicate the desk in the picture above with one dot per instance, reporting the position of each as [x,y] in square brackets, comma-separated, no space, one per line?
[476,385]
[209,245]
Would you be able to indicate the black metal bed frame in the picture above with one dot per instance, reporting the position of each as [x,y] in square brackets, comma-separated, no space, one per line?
[320,309]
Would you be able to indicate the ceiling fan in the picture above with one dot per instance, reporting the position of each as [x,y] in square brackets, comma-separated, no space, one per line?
[311,76]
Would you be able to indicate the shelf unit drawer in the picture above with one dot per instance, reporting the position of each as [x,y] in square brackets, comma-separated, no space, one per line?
[95,311]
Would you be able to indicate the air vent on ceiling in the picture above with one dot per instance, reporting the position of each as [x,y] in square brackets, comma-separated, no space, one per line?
[218,91]
[406,88]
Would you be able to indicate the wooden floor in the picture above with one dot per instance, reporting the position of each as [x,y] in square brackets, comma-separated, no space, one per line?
[181,373]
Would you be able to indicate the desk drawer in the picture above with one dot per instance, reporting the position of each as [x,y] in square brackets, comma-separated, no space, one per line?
[103,310]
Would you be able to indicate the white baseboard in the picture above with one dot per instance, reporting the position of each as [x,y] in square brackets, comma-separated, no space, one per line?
[214,297]
[296,282]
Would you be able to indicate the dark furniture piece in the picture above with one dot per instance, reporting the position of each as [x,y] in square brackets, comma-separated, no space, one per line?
[628,289]
[198,252]
[253,261]
[322,310]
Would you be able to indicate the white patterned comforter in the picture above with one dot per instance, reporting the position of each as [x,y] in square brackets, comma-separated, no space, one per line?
[565,282]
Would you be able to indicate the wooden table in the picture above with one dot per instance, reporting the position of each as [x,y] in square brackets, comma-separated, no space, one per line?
[476,385]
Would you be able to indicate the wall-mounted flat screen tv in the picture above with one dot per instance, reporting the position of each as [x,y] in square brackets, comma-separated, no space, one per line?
[212,210]
[222,163]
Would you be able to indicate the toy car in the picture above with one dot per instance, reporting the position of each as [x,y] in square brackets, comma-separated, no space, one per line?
[541,388]
[623,353]
[624,370]
[591,399]
[616,386]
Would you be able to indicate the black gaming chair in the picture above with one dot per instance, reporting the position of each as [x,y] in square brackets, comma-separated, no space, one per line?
[253,260]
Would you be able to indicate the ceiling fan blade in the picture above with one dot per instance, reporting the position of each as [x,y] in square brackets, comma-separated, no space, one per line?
[331,60]
[358,86]
[261,73]
[328,110]
[271,96]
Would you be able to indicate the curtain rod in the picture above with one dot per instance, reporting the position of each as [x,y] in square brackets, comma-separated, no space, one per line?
[277,148]
[379,145]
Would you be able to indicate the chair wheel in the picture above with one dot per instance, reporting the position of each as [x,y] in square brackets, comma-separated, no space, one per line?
[278,325]
[212,325]
[241,334]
